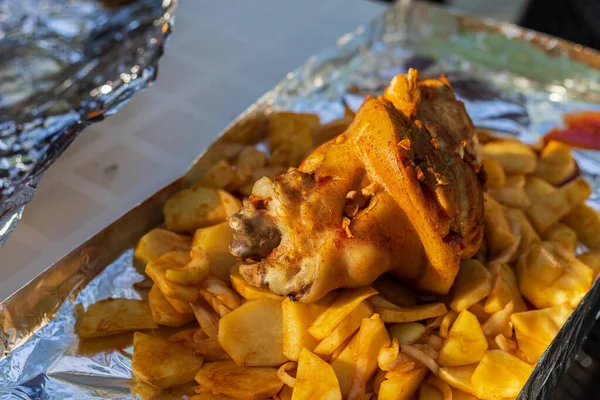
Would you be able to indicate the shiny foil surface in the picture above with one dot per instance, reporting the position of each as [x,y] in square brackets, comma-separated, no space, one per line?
[65,64]
[513,81]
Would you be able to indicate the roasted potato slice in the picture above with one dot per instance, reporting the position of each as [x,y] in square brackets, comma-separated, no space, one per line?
[158,242]
[157,269]
[552,208]
[197,207]
[112,316]
[194,272]
[403,385]
[343,331]
[537,189]
[591,259]
[496,178]
[472,284]
[556,162]
[498,232]
[527,232]
[512,197]
[562,234]
[163,312]
[585,221]
[344,366]
[244,383]
[505,289]
[411,314]
[217,177]
[207,318]
[343,305]
[162,363]
[290,137]
[466,343]
[252,334]
[459,377]
[297,318]
[513,155]
[500,375]
[315,379]
[214,240]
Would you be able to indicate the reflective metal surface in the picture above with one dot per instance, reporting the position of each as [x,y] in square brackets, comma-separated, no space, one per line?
[512,81]
[65,64]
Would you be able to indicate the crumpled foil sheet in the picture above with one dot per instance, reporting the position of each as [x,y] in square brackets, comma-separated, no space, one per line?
[65,64]
[512,81]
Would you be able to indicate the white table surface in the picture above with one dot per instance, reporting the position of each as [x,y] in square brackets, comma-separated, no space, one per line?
[220,59]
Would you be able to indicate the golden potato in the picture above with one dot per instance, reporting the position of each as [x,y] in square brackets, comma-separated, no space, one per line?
[163,312]
[459,377]
[407,333]
[428,392]
[403,385]
[217,177]
[549,275]
[500,375]
[411,314]
[214,240]
[112,316]
[537,328]
[460,395]
[466,344]
[585,221]
[343,305]
[158,242]
[248,291]
[222,291]
[496,178]
[297,318]
[511,196]
[315,379]
[504,290]
[252,157]
[252,334]
[472,284]
[161,363]
[553,207]
[210,349]
[290,137]
[498,232]
[193,272]
[157,269]
[372,337]
[513,155]
[527,232]
[591,259]
[562,234]
[556,162]
[343,331]
[207,318]
[537,189]
[344,365]
[197,207]
[244,383]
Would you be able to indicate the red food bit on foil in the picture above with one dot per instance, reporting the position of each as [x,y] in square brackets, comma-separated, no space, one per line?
[582,130]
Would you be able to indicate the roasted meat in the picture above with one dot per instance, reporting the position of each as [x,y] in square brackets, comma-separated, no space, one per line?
[400,191]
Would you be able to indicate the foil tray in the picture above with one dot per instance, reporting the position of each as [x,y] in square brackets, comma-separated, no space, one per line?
[513,81]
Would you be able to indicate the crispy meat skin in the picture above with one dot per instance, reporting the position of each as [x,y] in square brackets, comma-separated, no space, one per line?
[400,191]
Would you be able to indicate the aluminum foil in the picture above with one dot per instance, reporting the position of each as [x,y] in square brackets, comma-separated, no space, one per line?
[512,81]
[65,64]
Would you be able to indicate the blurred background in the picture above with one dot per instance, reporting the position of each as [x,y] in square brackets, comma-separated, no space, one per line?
[220,59]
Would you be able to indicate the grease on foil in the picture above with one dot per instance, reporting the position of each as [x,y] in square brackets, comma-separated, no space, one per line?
[65,64]
[512,81]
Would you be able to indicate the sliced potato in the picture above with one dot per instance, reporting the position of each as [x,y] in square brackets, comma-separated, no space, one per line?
[460,395]
[537,328]
[411,314]
[428,392]
[343,305]
[343,331]
[372,337]
[244,383]
[197,207]
[556,162]
[472,284]
[537,189]
[549,275]
[252,334]
[162,363]
[193,273]
[157,269]
[513,155]
[496,178]
[210,349]
[158,242]
[395,292]
[529,236]
[403,385]
[466,343]
[222,291]
[248,291]
[592,260]
[163,312]
[290,137]
[408,332]
[498,232]
[217,177]
[207,318]
[500,375]
[214,240]
[504,290]
[498,321]
[558,204]
[344,366]
[315,379]
[459,377]
[112,316]
[562,234]
[297,318]
[585,221]
[512,197]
